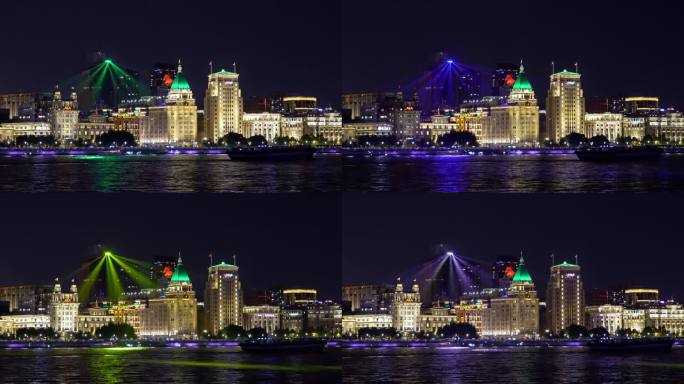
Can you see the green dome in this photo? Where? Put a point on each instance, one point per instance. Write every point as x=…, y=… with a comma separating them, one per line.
x=180, y=82
x=180, y=275
x=521, y=82
x=522, y=274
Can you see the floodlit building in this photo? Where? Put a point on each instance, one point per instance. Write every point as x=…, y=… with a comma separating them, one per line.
x=439, y=125
x=223, y=105
x=176, y=122
x=292, y=126
x=436, y=318
x=64, y=308
x=94, y=319
x=25, y=128
x=299, y=296
x=175, y=313
x=406, y=308
x=517, y=122
x=265, y=124
x=326, y=124
x=324, y=317
x=642, y=105
x=261, y=316
x=10, y=324
x=565, y=297
x=351, y=324
x=27, y=298
x=606, y=124
x=516, y=314
x=223, y=297
x=564, y=106
x=642, y=296
x=634, y=126
x=606, y=316
x=64, y=115
x=299, y=105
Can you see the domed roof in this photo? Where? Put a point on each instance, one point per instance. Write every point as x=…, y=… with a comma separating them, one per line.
x=180, y=82
x=180, y=275
x=522, y=82
x=522, y=275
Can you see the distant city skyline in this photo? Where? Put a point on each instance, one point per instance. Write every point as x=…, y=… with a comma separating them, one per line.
x=620, y=243
x=279, y=249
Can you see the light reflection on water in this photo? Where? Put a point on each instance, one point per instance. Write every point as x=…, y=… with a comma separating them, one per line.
x=524, y=173
x=213, y=365
x=506, y=365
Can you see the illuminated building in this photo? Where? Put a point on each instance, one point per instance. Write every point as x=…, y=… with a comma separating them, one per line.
x=299, y=105
x=16, y=102
x=642, y=296
x=64, y=308
x=503, y=79
x=105, y=84
x=406, y=308
x=161, y=78
x=370, y=128
x=668, y=124
x=175, y=122
x=324, y=318
x=265, y=124
x=606, y=124
x=223, y=297
x=517, y=314
x=27, y=298
x=564, y=297
x=603, y=104
x=564, y=106
x=128, y=313
x=261, y=316
x=503, y=271
x=64, y=116
x=292, y=126
x=641, y=105
x=26, y=128
x=326, y=124
x=439, y=125
x=93, y=319
x=436, y=318
x=175, y=313
x=358, y=104
x=518, y=121
x=298, y=296
x=135, y=123
x=634, y=126
x=222, y=105
x=351, y=324
x=94, y=126
x=292, y=318
x=10, y=324
x=606, y=316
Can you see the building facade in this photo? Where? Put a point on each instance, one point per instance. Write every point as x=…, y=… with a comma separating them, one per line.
x=265, y=124
x=406, y=308
x=605, y=124
x=564, y=106
x=176, y=122
x=565, y=297
x=223, y=297
x=223, y=105
x=266, y=317
x=64, y=308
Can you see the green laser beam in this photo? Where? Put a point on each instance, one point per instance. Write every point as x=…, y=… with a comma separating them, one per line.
x=139, y=278
x=89, y=282
x=114, y=287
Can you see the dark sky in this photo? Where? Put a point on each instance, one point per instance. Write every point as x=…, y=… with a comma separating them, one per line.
x=290, y=240
x=622, y=240
x=623, y=47
x=289, y=47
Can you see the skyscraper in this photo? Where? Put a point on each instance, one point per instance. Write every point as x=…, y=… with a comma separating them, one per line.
x=564, y=106
x=503, y=79
x=222, y=105
x=175, y=122
x=564, y=297
x=223, y=297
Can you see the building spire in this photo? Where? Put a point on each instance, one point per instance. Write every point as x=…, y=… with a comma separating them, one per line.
x=522, y=67
x=180, y=67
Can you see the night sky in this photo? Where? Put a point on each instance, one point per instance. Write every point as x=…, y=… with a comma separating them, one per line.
x=622, y=240
x=290, y=240
x=281, y=47
x=623, y=48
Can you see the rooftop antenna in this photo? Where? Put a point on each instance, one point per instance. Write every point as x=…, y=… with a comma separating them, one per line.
x=576, y=67
x=553, y=259
x=553, y=67
x=234, y=259
x=211, y=259
x=576, y=257
x=234, y=67
x=211, y=66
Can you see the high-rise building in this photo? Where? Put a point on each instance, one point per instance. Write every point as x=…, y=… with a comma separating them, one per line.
x=175, y=122
x=223, y=297
x=641, y=105
x=564, y=297
x=175, y=313
x=299, y=296
x=518, y=121
x=222, y=105
x=64, y=115
x=27, y=298
x=517, y=314
x=503, y=271
x=299, y=105
x=564, y=106
x=64, y=308
x=642, y=296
